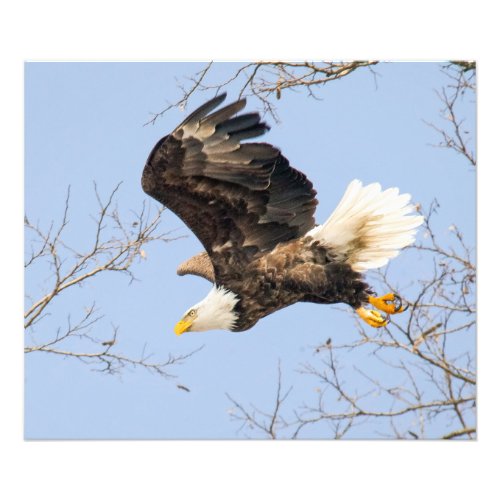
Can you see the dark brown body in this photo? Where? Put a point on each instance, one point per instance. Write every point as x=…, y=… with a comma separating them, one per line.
x=301, y=270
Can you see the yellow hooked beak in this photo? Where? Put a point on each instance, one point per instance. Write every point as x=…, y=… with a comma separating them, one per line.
x=182, y=326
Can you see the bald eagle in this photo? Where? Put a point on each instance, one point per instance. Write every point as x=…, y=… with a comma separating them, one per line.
x=254, y=215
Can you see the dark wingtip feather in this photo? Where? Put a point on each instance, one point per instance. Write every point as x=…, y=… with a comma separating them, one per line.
x=206, y=175
x=204, y=110
x=225, y=113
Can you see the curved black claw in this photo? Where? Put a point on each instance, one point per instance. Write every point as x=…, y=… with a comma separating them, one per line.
x=387, y=319
x=398, y=304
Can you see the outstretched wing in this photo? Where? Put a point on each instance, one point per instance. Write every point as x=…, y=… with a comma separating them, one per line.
x=232, y=195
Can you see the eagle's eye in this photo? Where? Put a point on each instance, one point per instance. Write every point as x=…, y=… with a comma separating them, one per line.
x=191, y=313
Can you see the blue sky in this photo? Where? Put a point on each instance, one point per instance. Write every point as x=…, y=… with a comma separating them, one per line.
x=85, y=122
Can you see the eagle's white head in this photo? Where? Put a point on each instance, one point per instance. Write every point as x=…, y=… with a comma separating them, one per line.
x=214, y=312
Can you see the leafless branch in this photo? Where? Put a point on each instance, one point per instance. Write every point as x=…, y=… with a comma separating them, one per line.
x=116, y=245
x=455, y=134
x=268, y=423
x=265, y=79
x=196, y=83
x=111, y=362
x=460, y=433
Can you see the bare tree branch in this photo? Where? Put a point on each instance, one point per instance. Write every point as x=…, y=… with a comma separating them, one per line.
x=454, y=135
x=110, y=362
x=268, y=423
x=459, y=433
x=116, y=245
x=265, y=79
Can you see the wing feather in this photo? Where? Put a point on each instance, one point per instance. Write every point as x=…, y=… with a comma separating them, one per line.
x=234, y=196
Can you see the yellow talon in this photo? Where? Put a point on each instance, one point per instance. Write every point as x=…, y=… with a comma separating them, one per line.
x=389, y=303
x=372, y=317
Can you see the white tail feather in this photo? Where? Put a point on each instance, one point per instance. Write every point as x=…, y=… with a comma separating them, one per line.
x=369, y=226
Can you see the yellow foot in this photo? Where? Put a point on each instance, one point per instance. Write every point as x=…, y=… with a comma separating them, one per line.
x=389, y=303
x=373, y=318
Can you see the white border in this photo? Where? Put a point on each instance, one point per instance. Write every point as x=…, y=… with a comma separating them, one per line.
x=147, y=30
